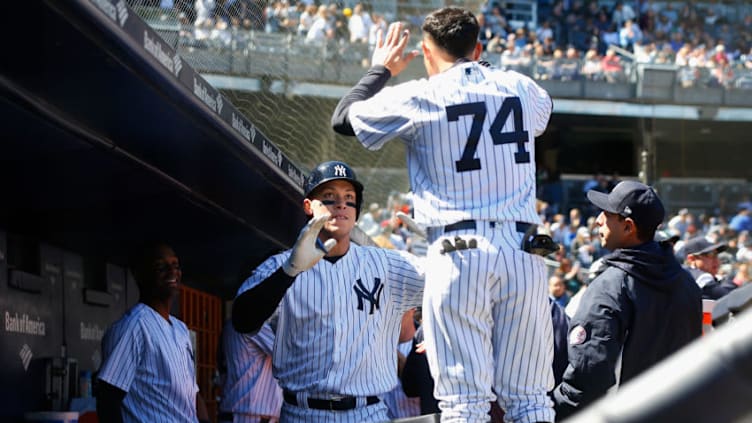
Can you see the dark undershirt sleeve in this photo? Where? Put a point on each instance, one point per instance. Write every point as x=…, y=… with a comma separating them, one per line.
x=253, y=307
x=373, y=81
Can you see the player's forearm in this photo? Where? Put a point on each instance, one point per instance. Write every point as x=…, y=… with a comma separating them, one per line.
x=109, y=402
x=373, y=81
x=253, y=307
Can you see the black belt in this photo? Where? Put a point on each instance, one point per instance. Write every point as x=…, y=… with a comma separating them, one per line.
x=224, y=416
x=522, y=227
x=340, y=404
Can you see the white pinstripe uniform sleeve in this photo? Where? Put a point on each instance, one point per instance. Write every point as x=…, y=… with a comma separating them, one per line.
x=264, y=339
x=385, y=116
x=407, y=276
x=250, y=388
x=122, y=350
x=542, y=106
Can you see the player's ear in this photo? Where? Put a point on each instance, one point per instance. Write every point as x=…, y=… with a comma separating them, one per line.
x=424, y=48
x=477, y=51
x=629, y=225
x=307, y=209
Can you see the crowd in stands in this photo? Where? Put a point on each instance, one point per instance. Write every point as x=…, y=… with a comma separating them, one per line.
x=710, y=42
x=707, y=41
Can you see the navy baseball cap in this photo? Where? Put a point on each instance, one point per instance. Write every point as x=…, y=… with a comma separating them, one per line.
x=634, y=200
x=701, y=245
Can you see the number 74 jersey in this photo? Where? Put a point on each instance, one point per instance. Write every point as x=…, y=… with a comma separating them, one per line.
x=470, y=136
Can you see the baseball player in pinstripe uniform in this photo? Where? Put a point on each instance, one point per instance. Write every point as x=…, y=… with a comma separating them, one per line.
x=148, y=368
x=469, y=133
x=250, y=394
x=336, y=320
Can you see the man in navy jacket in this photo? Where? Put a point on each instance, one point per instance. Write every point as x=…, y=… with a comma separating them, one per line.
x=641, y=309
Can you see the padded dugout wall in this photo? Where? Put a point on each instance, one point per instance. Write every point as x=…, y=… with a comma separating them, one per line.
x=32, y=326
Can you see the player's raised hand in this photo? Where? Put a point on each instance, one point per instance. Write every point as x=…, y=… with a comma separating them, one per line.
x=309, y=249
x=390, y=50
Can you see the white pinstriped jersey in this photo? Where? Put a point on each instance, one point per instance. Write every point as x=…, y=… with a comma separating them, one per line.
x=338, y=324
x=153, y=361
x=469, y=133
x=249, y=388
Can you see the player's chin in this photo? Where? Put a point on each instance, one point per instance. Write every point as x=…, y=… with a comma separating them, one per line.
x=339, y=228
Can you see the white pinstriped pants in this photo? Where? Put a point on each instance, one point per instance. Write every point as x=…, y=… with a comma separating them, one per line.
x=488, y=325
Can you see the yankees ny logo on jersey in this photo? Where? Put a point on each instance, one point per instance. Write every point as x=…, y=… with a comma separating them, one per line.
x=373, y=296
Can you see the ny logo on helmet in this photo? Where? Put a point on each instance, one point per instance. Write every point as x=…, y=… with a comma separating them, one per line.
x=340, y=170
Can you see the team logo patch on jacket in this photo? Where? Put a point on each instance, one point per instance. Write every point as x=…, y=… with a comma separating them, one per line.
x=577, y=336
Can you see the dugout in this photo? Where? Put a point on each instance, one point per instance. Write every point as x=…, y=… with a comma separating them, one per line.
x=109, y=140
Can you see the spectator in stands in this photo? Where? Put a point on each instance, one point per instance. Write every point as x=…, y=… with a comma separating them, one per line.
x=558, y=228
x=557, y=290
x=569, y=270
x=742, y=275
x=583, y=248
x=622, y=13
x=321, y=30
x=702, y=263
x=544, y=31
x=591, y=66
x=340, y=24
x=379, y=23
x=742, y=221
x=306, y=20
x=249, y=13
x=725, y=34
x=275, y=14
x=569, y=66
x=485, y=34
x=680, y=222
x=612, y=67
x=629, y=35
x=204, y=12
x=548, y=45
x=663, y=24
x=744, y=253
x=497, y=22
x=294, y=11
x=610, y=37
x=647, y=22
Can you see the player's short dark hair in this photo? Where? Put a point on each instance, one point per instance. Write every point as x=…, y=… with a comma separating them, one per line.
x=454, y=29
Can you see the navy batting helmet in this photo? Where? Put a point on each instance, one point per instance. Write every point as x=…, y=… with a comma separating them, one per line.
x=331, y=171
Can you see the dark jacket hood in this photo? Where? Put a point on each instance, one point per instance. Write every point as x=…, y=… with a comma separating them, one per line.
x=650, y=263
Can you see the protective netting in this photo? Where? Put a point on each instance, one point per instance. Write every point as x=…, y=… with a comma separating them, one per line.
x=285, y=66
